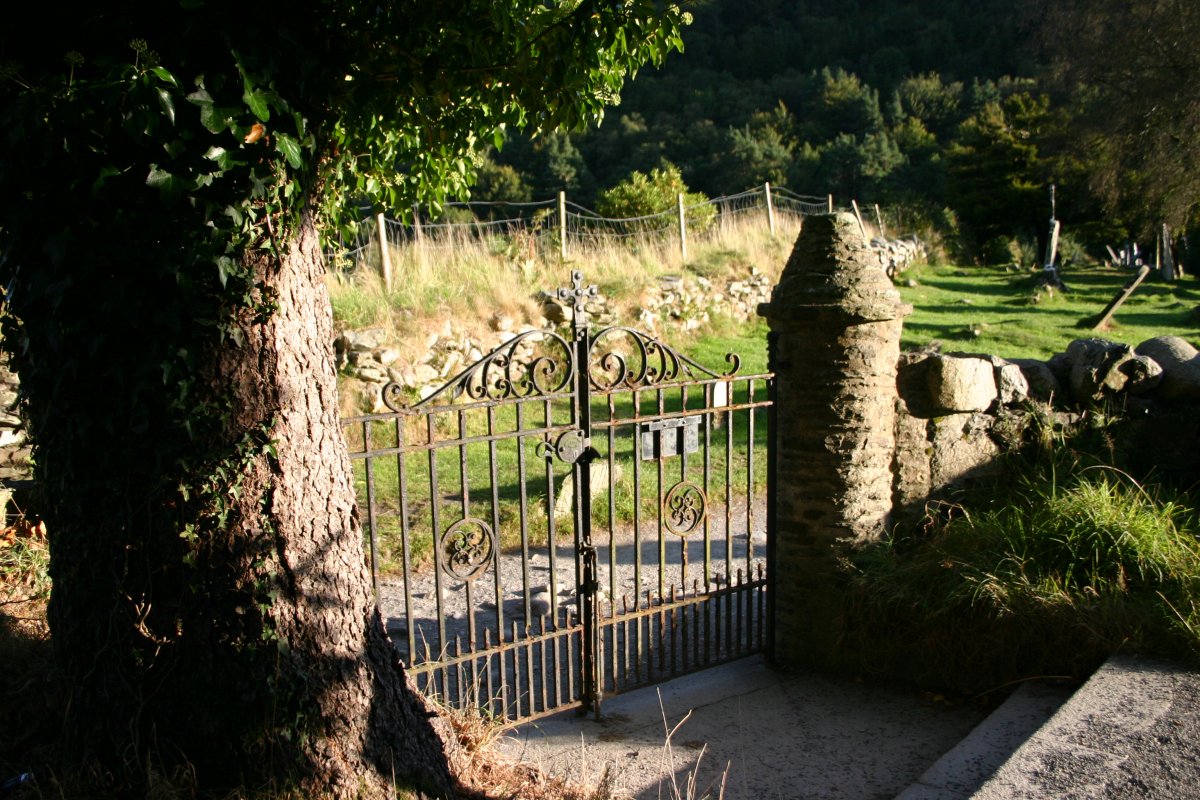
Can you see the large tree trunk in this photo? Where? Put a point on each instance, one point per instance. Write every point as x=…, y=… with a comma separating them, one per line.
x=233, y=627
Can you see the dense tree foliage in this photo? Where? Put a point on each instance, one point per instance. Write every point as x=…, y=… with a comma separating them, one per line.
x=165, y=168
x=924, y=108
x=1129, y=71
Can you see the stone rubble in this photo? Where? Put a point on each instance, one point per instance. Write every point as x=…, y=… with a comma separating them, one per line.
x=955, y=409
x=685, y=303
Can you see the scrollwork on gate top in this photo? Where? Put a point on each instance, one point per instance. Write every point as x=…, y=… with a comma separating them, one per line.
x=643, y=362
x=530, y=364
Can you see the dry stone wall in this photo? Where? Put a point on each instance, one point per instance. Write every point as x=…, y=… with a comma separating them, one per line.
x=956, y=411
x=370, y=358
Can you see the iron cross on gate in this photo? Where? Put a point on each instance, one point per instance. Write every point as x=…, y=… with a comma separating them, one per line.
x=578, y=295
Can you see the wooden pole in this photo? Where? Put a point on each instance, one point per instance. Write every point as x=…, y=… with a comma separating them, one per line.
x=682, y=229
x=858, y=216
x=830, y=204
x=562, y=224
x=385, y=256
x=770, y=209
x=879, y=219
x=418, y=235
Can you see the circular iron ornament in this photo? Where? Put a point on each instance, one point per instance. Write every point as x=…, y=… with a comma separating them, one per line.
x=684, y=508
x=569, y=446
x=467, y=547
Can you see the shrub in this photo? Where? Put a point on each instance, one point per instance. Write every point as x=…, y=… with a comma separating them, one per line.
x=642, y=195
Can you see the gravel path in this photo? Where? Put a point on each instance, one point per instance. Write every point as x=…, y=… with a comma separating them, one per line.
x=627, y=569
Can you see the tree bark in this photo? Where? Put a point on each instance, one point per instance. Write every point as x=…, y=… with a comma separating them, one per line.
x=250, y=646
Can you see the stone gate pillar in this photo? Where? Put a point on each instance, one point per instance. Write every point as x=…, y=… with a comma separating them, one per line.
x=835, y=322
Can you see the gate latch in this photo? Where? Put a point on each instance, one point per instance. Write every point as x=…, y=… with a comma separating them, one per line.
x=573, y=447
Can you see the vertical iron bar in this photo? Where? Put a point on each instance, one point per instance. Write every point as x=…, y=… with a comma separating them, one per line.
x=545, y=676
x=637, y=505
x=662, y=541
x=459, y=697
x=516, y=671
x=683, y=465
x=371, y=520
x=496, y=571
x=489, y=679
x=750, y=480
x=558, y=684
x=570, y=659
x=435, y=520
x=740, y=593
x=588, y=585
x=551, y=522
x=524, y=503
x=405, y=537
x=464, y=483
x=612, y=497
x=729, y=420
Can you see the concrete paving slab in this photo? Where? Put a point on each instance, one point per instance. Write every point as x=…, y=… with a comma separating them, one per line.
x=962, y=770
x=765, y=734
x=1131, y=731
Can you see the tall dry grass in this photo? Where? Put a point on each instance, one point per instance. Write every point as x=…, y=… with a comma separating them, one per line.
x=473, y=280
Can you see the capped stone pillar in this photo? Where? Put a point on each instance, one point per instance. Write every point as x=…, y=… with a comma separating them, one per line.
x=835, y=321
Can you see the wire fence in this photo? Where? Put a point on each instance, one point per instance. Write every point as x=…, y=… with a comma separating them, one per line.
x=565, y=225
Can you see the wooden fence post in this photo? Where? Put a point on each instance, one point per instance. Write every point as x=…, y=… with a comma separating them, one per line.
x=879, y=219
x=418, y=235
x=562, y=224
x=858, y=216
x=770, y=209
x=830, y=204
x=682, y=229
x=385, y=256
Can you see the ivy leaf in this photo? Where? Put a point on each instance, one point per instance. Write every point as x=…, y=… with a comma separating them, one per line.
x=167, y=103
x=168, y=183
x=221, y=157
x=256, y=101
x=105, y=173
x=290, y=149
x=164, y=75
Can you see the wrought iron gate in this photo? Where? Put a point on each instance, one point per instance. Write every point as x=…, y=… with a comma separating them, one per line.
x=506, y=588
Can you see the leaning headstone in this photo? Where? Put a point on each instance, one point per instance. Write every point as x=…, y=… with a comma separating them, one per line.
x=564, y=504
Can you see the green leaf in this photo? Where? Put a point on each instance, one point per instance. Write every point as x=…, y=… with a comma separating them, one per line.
x=164, y=75
x=257, y=103
x=105, y=174
x=221, y=157
x=291, y=150
x=166, y=182
x=168, y=104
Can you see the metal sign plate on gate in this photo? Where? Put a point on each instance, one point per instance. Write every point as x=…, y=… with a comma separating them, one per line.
x=670, y=437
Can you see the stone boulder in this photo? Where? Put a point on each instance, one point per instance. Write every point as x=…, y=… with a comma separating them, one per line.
x=1100, y=368
x=1180, y=363
x=1040, y=378
x=960, y=384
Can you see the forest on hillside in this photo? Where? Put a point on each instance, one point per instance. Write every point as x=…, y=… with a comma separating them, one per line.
x=950, y=115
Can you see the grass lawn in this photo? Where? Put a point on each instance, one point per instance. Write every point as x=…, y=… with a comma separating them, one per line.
x=1003, y=313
